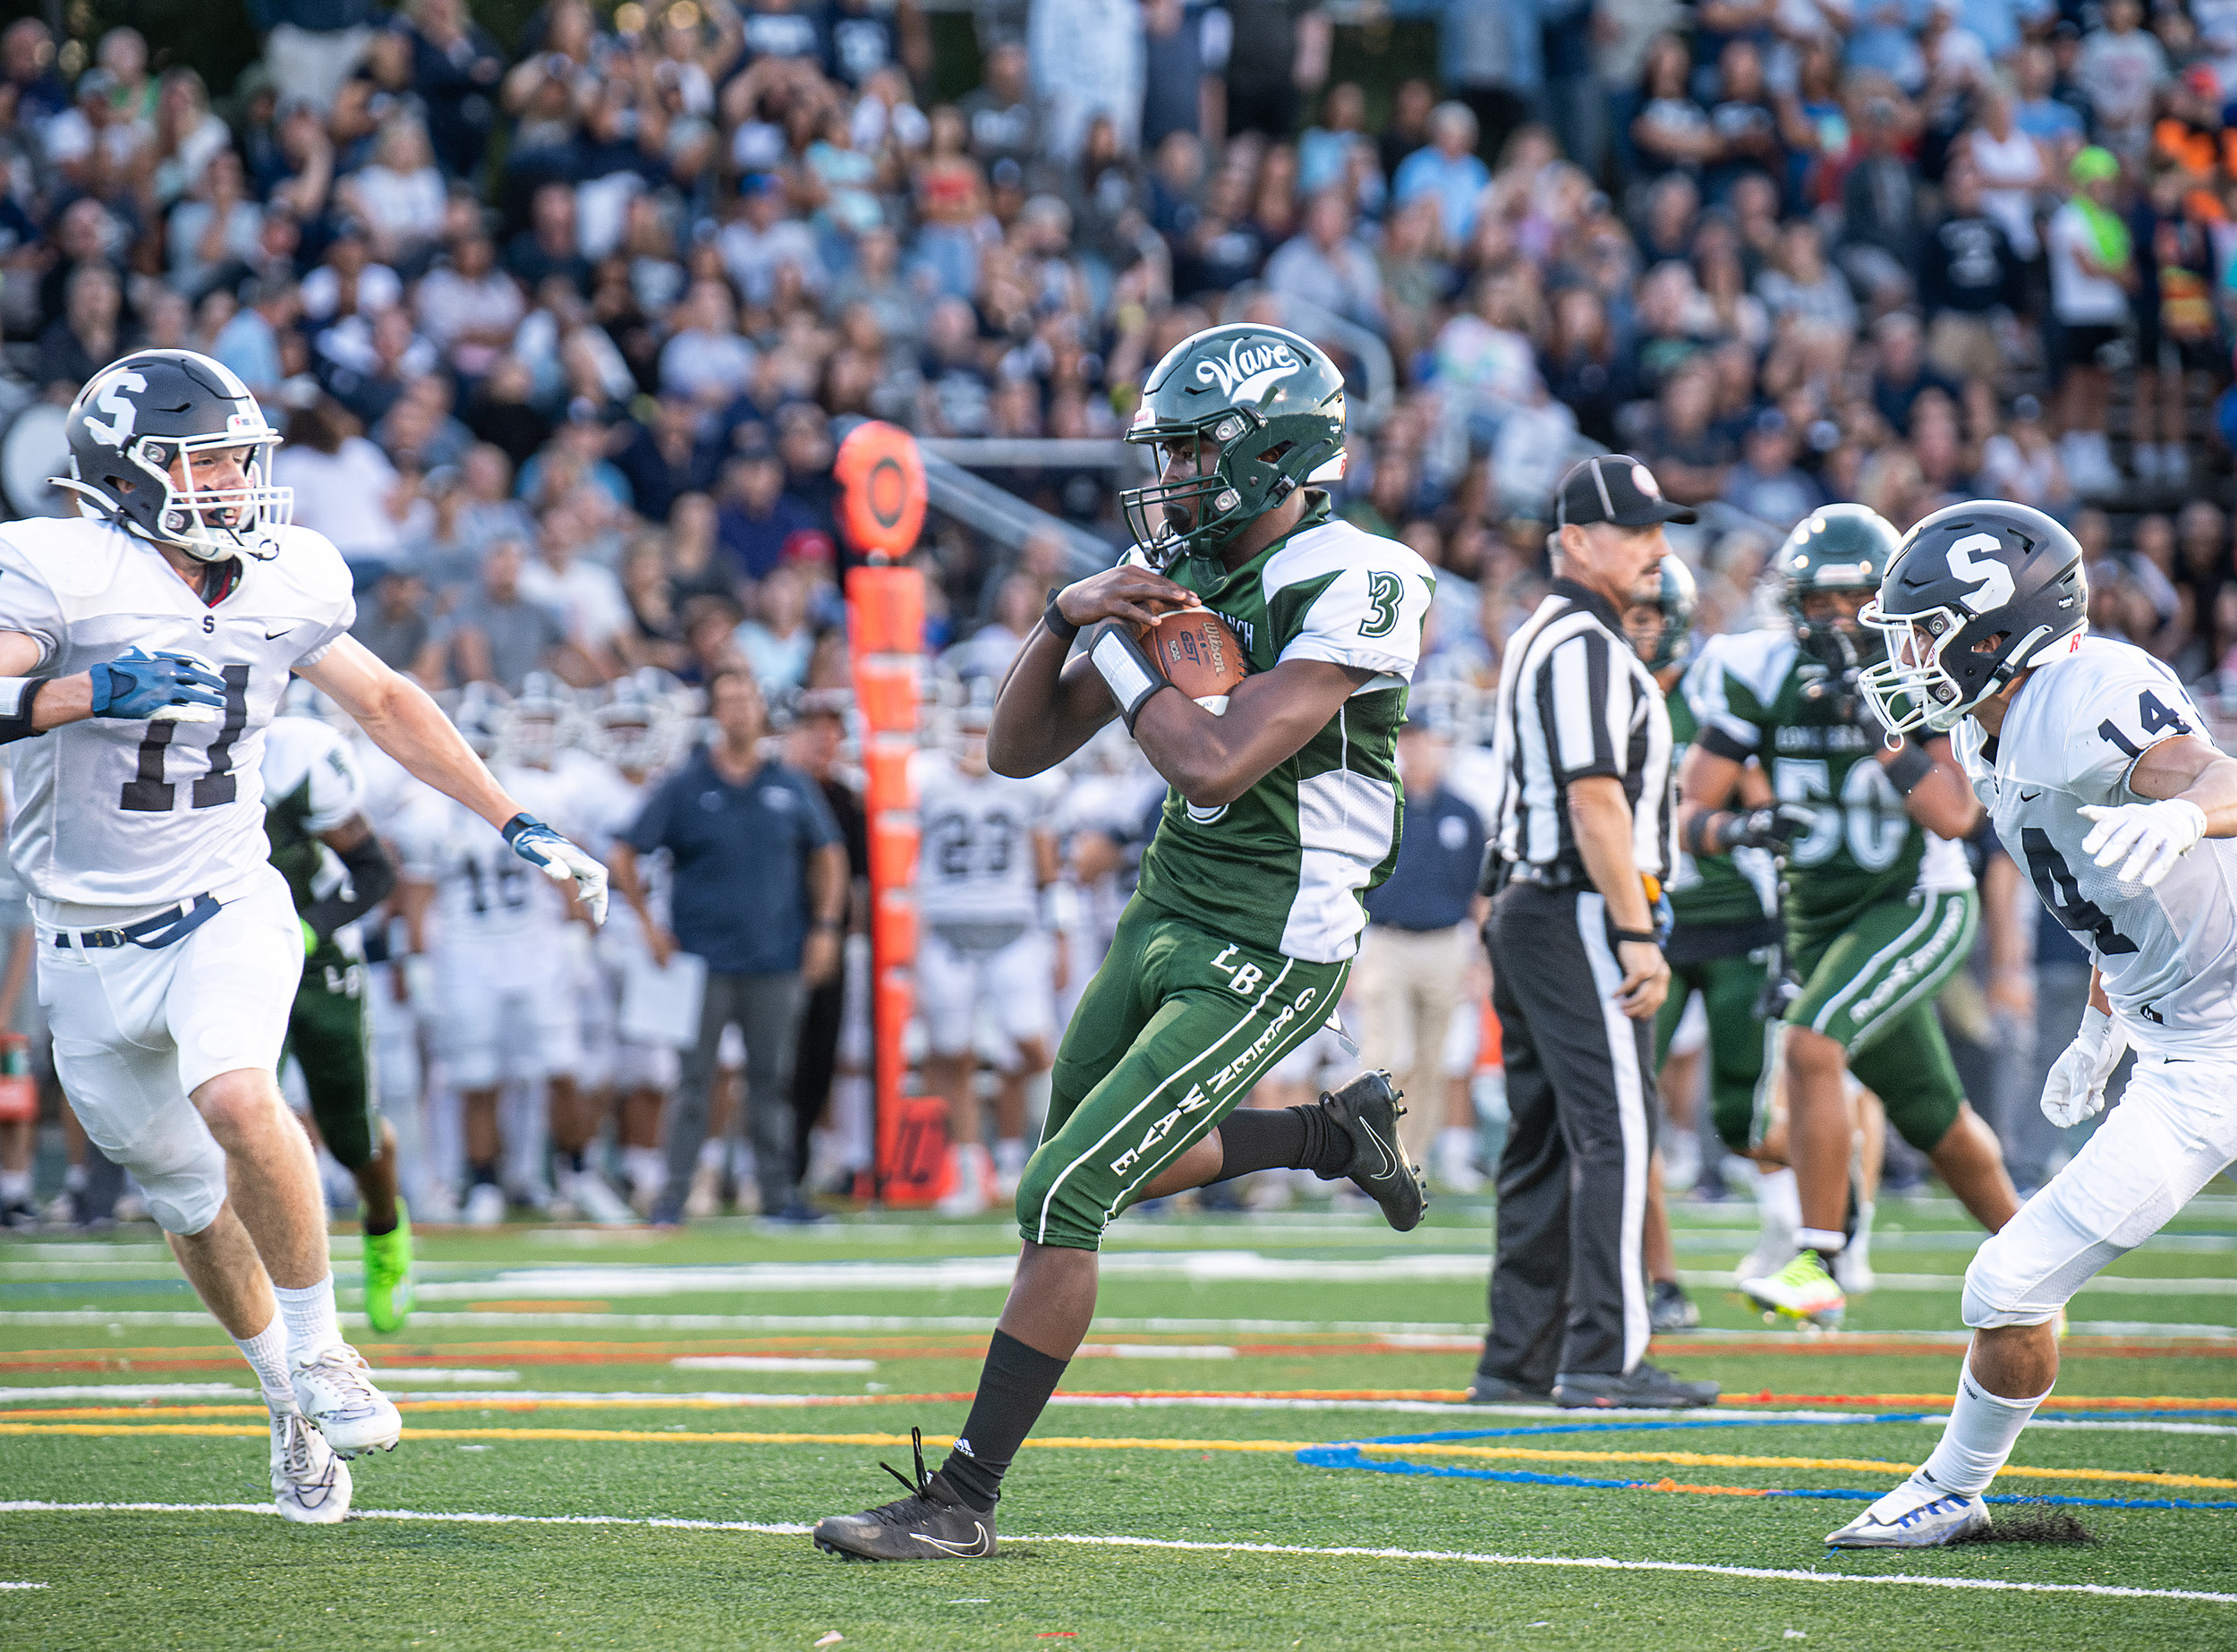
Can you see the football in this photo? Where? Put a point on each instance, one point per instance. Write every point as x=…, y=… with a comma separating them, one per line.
x=1198, y=654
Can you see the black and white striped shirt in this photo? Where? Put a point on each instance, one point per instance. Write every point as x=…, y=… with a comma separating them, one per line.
x=1574, y=701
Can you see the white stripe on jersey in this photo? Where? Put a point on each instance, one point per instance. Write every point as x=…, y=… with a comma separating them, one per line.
x=2168, y=955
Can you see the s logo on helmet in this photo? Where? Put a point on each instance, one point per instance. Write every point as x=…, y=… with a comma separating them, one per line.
x=1250, y=369
x=1991, y=580
x=123, y=412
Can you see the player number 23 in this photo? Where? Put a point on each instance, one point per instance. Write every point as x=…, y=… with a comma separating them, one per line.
x=149, y=793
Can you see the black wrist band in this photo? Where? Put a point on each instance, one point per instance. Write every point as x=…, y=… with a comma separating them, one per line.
x=1701, y=832
x=1647, y=936
x=1907, y=768
x=1052, y=619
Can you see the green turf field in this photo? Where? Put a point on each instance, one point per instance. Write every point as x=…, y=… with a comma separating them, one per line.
x=615, y=1440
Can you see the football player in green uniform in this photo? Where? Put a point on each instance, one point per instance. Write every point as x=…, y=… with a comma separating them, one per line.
x=337, y=871
x=1725, y=922
x=1880, y=905
x=1283, y=811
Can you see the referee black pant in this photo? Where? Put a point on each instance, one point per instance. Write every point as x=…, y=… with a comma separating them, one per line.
x=1569, y=1290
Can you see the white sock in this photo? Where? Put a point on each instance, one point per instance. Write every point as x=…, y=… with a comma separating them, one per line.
x=266, y=1354
x=311, y=1326
x=712, y=1152
x=646, y=1167
x=1779, y=1195
x=1824, y=1241
x=1860, y=1240
x=1009, y=1156
x=15, y=1185
x=1983, y=1429
x=1456, y=1142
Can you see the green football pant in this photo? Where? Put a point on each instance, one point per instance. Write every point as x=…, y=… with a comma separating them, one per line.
x=326, y=1033
x=1172, y=1035
x=1871, y=988
x=1729, y=988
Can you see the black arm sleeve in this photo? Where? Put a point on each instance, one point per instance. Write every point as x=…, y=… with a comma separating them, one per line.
x=372, y=874
x=15, y=709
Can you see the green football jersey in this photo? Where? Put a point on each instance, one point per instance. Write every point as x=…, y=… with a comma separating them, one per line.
x=1706, y=889
x=1862, y=847
x=311, y=786
x=1286, y=868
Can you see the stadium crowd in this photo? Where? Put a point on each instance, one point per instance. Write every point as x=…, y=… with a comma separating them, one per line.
x=561, y=333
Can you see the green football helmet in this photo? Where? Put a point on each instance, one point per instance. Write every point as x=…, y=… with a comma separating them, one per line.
x=1835, y=547
x=1674, y=594
x=1273, y=402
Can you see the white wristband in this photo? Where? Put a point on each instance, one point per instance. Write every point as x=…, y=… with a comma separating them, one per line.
x=1125, y=670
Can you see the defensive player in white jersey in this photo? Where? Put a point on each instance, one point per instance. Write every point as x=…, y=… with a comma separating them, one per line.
x=988, y=857
x=504, y=1006
x=2092, y=764
x=144, y=648
x=636, y=733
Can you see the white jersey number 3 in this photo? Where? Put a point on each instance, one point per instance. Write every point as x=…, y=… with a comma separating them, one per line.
x=149, y=793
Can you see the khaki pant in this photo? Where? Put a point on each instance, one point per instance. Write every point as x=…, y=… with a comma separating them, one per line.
x=1408, y=982
x=1964, y=346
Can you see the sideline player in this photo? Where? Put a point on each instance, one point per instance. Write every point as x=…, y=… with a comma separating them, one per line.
x=337, y=871
x=2088, y=756
x=145, y=647
x=1241, y=936
x=988, y=860
x=1880, y=905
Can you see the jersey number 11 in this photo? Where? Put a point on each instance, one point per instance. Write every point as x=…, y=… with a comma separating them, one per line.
x=149, y=793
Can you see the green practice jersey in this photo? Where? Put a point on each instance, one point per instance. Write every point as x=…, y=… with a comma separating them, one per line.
x=1741, y=888
x=1285, y=867
x=1862, y=847
x=311, y=786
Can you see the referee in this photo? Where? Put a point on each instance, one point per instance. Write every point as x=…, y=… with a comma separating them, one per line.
x=1581, y=840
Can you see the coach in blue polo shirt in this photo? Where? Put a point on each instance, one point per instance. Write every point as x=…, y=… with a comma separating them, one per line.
x=1418, y=957
x=760, y=891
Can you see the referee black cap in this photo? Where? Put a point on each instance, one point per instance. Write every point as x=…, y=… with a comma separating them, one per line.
x=1615, y=487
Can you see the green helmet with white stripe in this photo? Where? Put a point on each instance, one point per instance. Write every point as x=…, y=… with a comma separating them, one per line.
x=1245, y=414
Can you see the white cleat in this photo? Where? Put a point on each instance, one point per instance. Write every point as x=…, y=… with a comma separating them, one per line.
x=310, y=1484
x=1913, y=1517
x=337, y=1394
x=485, y=1206
x=595, y=1200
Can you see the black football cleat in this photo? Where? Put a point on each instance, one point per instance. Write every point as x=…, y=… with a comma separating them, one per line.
x=1644, y=1388
x=1489, y=1390
x=931, y=1523
x=1367, y=1111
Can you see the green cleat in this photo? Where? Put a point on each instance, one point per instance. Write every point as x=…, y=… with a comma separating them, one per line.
x=388, y=1274
x=1802, y=1292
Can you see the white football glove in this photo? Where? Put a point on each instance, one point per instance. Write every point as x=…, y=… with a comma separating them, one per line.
x=560, y=860
x=2075, y=1090
x=2153, y=836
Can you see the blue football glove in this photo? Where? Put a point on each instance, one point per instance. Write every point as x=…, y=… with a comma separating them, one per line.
x=165, y=687
x=560, y=860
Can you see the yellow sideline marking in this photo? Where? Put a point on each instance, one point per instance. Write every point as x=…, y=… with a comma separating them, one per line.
x=1096, y=1442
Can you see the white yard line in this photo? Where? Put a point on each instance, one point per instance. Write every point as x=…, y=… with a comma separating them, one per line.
x=767, y=1362
x=1179, y=1545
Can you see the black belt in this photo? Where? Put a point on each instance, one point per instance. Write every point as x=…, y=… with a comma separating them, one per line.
x=164, y=929
x=1554, y=880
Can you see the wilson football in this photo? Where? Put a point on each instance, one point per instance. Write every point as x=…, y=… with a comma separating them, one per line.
x=1198, y=654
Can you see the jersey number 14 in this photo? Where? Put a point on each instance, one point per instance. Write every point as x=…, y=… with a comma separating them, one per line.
x=149, y=793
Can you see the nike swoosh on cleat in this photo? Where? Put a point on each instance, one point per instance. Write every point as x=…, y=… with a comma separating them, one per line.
x=1390, y=1164
x=970, y=1551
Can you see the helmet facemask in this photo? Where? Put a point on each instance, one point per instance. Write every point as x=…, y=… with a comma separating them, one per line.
x=210, y=525
x=1936, y=670
x=1215, y=505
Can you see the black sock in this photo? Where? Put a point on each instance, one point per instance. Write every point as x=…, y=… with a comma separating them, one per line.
x=1327, y=1150
x=1260, y=1138
x=1013, y=1388
x=484, y=1172
x=571, y=1160
x=374, y=1230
